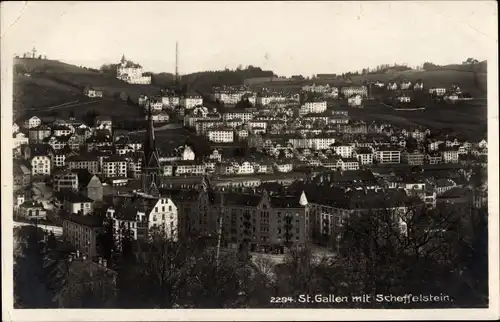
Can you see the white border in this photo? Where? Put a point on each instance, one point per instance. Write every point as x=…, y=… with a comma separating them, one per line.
x=9, y=314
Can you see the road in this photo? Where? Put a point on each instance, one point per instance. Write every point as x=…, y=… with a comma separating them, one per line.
x=58, y=231
x=170, y=126
x=65, y=105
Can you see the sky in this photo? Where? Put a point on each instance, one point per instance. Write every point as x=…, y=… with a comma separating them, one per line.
x=287, y=37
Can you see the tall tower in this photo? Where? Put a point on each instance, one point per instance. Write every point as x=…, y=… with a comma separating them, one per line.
x=151, y=170
x=177, y=63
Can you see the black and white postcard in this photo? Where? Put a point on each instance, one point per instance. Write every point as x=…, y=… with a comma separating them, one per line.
x=274, y=160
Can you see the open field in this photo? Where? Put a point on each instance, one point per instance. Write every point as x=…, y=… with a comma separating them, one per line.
x=52, y=82
x=475, y=85
x=466, y=117
x=114, y=108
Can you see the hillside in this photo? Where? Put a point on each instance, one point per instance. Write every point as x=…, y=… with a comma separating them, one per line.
x=52, y=82
x=442, y=76
x=204, y=81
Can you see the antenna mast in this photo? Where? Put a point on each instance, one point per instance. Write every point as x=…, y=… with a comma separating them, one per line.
x=177, y=63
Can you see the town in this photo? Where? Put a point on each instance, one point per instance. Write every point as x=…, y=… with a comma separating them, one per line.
x=258, y=168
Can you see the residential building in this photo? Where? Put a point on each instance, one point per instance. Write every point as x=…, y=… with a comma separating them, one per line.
x=66, y=180
x=88, y=162
x=413, y=157
x=19, y=140
x=348, y=91
x=82, y=232
x=114, y=167
x=364, y=155
x=450, y=155
x=40, y=165
x=190, y=101
x=22, y=176
x=350, y=164
x=74, y=202
x=32, y=122
x=437, y=91
x=355, y=100
x=104, y=123
x=90, y=92
x=315, y=107
x=171, y=101
x=143, y=215
x=31, y=209
x=418, y=86
x=39, y=134
x=237, y=114
x=433, y=158
x=392, y=86
x=388, y=155
x=221, y=135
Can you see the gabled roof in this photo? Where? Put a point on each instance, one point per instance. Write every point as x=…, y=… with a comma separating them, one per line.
x=82, y=157
x=89, y=221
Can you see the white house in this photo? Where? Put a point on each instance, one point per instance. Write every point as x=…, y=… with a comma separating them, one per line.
x=32, y=210
x=316, y=107
x=32, y=122
x=40, y=165
x=190, y=101
x=220, y=135
x=20, y=139
x=160, y=117
x=355, y=100
x=114, y=167
x=388, y=155
x=131, y=73
x=419, y=85
x=90, y=92
x=170, y=101
x=149, y=215
x=438, y=91
x=404, y=99
x=392, y=86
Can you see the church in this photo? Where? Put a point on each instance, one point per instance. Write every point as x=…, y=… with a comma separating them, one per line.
x=146, y=211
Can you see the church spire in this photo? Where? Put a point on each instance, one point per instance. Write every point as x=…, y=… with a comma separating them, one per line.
x=151, y=165
x=150, y=152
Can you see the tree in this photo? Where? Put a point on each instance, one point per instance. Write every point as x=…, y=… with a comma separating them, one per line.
x=428, y=65
x=156, y=275
x=303, y=273
x=30, y=290
x=109, y=69
x=384, y=251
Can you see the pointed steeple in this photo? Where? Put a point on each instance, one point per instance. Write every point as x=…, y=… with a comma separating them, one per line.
x=151, y=158
x=151, y=170
x=303, y=199
x=123, y=60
